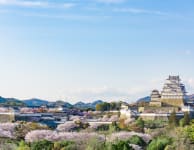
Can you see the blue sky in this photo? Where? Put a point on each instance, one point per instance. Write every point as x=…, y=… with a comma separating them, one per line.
x=94, y=49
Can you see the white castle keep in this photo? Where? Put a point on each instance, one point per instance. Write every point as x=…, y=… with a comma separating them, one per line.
x=173, y=89
x=173, y=93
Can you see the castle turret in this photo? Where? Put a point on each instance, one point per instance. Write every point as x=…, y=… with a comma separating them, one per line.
x=155, y=98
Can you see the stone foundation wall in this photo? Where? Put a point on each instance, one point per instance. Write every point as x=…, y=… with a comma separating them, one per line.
x=155, y=103
x=153, y=109
x=172, y=102
x=6, y=118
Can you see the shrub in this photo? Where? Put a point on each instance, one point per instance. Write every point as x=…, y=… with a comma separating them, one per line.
x=42, y=145
x=189, y=130
x=140, y=123
x=137, y=140
x=66, y=145
x=23, y=146
x=119, y=145
x=159, y=144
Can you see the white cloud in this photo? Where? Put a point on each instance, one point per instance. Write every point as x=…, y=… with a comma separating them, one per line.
x=30, y=3
x=139, y=11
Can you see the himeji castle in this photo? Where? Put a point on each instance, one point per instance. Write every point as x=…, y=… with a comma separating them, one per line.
x=173, y=93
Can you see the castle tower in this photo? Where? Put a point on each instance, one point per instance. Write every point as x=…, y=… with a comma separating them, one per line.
x=155, y=98
x=173, y=93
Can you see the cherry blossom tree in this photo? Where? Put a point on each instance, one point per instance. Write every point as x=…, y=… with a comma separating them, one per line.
x=67, y=126
x=78, y=137
x=129, y=120
x=113, y=118
x=7, y=130
x=2, y=109
x=94, y=126
x=105, y=118
x=126, y=135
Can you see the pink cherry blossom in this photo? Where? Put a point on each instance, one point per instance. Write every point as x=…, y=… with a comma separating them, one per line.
x=7, y=130
x=67, y=126
x=126, y=135
x=78, y=137
x=113, y=118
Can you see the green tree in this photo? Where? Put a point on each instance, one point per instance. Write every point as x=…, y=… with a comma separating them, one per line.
x=186, y=118
x=181, y=122
x=189, y=130
x=99, y=107
x=23, y=146
x=113, y=106
x=103, y=106
x=113, y=127
x=24, y=127
x=140, y=124
x=159, y=143
x=119, y=145
x=42, y=145
x=137, y=140
x=173, y=119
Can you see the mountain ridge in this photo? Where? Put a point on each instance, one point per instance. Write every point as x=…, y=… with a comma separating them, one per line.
x=148, y=98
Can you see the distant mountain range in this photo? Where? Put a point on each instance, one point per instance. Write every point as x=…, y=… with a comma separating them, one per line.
x=11, y=102
x=34, y=102
x=148, y=98
x=81, y=105
x=144, y=99
x=87, y=105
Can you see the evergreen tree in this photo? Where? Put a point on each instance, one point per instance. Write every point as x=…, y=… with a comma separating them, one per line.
x=186, y=118
x=173, y=119
x=140, y=124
